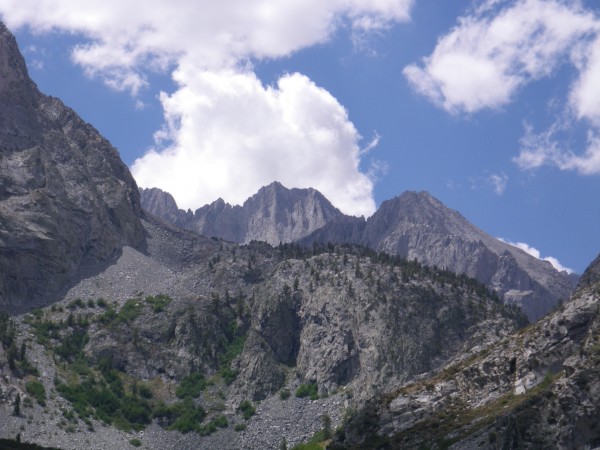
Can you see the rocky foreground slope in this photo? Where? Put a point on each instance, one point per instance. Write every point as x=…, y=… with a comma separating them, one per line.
x=197, y=330
x=539, y=388
x=65, y=195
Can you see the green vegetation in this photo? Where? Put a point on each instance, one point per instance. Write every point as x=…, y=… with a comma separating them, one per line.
x=71, y=346
x=17, y=361
x=36, y=389
x=191, y=386
x=284, y=394
x=135, y=442
x=213, y=425
x=130, y=310
x=74, y=304
x=101, y=303
x=246, y=409
x=106, y=398
x=158, y=302
x=182, y=416
x=233, y=348
x=308, y=390
x=308, y=446
x=240, y=427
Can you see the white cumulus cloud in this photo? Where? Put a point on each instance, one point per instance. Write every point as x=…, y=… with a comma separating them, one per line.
x=229, y=134
x=536, y=254
x=498, y=48
x=490, y=54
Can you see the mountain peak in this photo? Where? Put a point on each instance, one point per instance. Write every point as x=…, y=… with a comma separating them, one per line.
x=14, y=77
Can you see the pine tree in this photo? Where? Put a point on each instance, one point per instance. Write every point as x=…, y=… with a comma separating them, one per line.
x=17, y=406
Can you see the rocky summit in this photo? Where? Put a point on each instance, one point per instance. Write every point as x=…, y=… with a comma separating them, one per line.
x=274, y=214
x=66, y=198
x=121, y=330
x=418, y=226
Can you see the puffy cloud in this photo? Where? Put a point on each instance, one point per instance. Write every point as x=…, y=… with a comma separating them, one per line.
x=126, y=36
x=536, y=254
x=490, y=54
x=295, y=132
x=585, y=95
x=228, y=134
x=503, y=45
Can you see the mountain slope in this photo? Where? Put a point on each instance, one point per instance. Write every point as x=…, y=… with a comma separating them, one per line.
x=418, y=226
x=65, y=196
x=274, y=214
x=249, y=322
x=540, y=388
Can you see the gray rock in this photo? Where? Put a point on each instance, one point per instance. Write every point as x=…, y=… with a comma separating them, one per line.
x=274, y=214
x=418, y=226
x=66, y=198
x=539, y=388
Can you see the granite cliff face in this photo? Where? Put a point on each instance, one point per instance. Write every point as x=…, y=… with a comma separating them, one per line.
x=274, y=214
x=539, y=388
x=65, y=196
x=418, y=226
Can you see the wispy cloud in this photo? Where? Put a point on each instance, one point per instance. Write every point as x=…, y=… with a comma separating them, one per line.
x=293, y=131
x=498, y=182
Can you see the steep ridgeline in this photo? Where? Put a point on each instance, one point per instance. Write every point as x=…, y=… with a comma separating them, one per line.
x=540, y=388
x=65, y=195
x=418, y=226
x=195, y=331
x=274, y=214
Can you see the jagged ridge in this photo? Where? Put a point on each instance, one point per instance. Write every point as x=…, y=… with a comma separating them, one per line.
x=274, y=214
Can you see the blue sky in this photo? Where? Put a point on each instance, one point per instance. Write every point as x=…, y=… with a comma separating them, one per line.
x=491, y=106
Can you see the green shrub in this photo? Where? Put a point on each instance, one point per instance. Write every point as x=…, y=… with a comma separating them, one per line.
x=74, y=304
x=135, y=442
x=220, y=421
x=158, y=302
x=284, y=394
x=191, y=386
x=129, y=311
x=309, y=446
x=72, y=345
x=232, y=350
x=308, y=390
x=247, y=409
x=107, y=316
x=37, y=391
x=101, y=303
x=240, y=427
x=145, y=391
x=189, y=416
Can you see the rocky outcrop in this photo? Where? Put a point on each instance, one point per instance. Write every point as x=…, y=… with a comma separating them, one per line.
x=539, y=388
x=274, y=214
x=418, y=226
x=65, y=195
